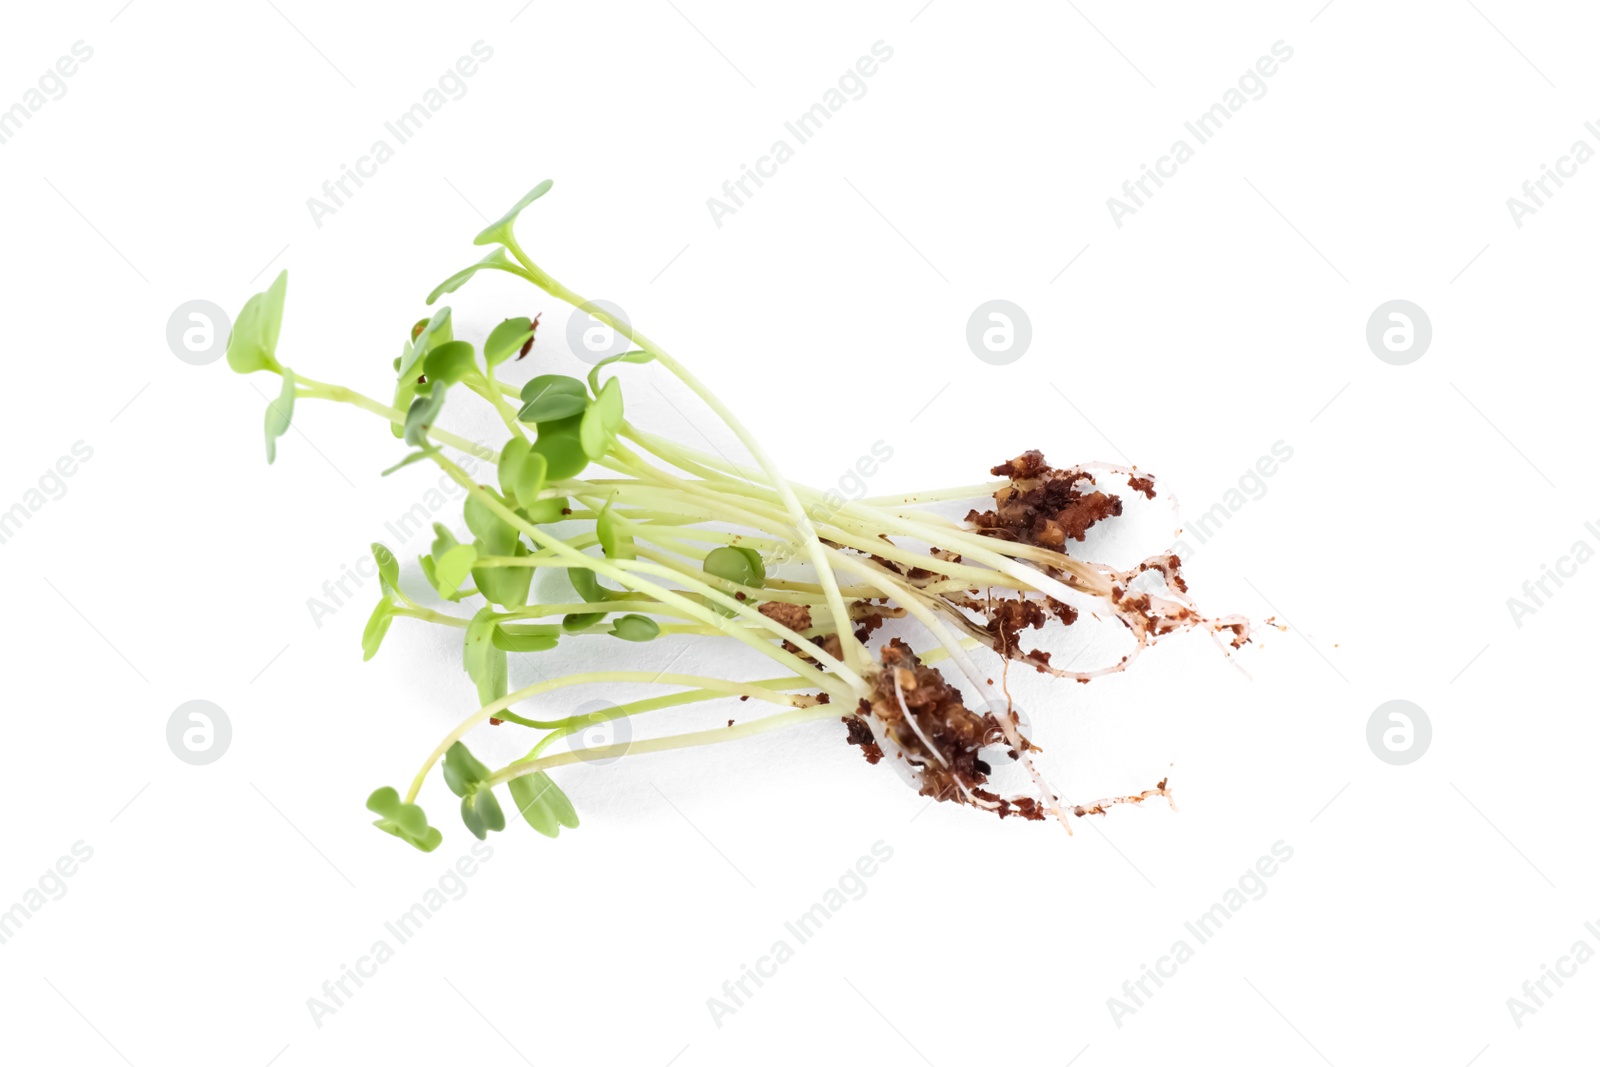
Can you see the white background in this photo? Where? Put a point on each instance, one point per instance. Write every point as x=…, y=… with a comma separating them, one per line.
x=1228, y=314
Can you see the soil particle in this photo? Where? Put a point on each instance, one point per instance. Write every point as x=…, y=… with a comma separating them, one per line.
x=868, y=623
x=943, y=736
x=860, y=734
x=795, y=616
x=1044, y=506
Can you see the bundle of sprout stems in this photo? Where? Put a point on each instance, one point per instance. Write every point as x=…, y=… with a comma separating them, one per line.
x=684, y=539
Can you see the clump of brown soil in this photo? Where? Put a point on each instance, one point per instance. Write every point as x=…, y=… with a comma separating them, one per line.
x=923, y=718
x=1044, y=506
x=861, y=734
x=914, y=715
x=1006, y=617
x=796, y=617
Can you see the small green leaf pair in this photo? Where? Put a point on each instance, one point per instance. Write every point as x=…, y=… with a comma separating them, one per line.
x=253, y=343
x=495, y=260
x=557, y=403
x=445, y=364
x=484, y=659
x=253, y=346
x=572, y=429
x=500, y=231
x=445, y=567
x=467, y=777
x=542, y=803
x=410, y=367
x=506, y=586
x=408, y=822
x=522, y=474
x=383, y=614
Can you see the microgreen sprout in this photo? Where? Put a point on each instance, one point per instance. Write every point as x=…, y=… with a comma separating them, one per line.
x=672, y=543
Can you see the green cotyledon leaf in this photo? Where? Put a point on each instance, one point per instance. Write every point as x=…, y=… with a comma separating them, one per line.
x=481, y=812
x=253, y=343
x=635, y=628
x=508, y=337
x=422, y=413
x=435, y=331
x=408, y=822
x=448, y=363
x=377, y=626
x=484, y=661
x=463, y=771
x=388, y=567
x=496, y=260
x=522, y=472
x=500, y=231
x=450, y=570
x=542, y=803
x=601, y=420
x=561, y=448
x=550, y=397
x=279, y=414
x=506, y=586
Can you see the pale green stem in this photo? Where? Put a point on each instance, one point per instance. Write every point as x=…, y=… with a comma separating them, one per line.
x=664, y=744
x=341, y=394
x=855, y=654
x=488, y=711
